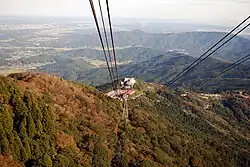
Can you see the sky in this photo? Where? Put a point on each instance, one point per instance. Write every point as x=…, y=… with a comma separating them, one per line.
x=223, y=12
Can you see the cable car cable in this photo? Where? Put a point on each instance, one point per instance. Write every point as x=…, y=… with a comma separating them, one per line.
x=100, y=36
x=170, y=83
x=237, y=63
x=182, y=72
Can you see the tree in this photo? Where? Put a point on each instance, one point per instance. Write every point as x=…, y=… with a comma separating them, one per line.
x=28, y=99
x=31, y=127
x=48, y=120
x=47, y=97
x=36, y=152
x=61, y=161
x=17, y=144
x=26, y=146
x=4, y=144
x=120, y=160
x=47, y=160
x=6, y=120
x=100, y=158
x=22, y=129
x=20, y=111
x=148, y=163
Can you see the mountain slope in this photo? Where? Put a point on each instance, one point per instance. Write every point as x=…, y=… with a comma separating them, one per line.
x=70, y=69
x=72, y=64
x=54, y=112
x=135, y=54
x=161, y=69
x=48, y=121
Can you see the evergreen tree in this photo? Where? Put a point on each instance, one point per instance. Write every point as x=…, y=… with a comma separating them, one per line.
x=46, y=161
x=4, y=144
x=48, y=123
x=31, y=127
x=6, y=120
x=100, y=158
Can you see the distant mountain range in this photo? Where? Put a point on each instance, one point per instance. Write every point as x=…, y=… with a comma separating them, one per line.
x=156, y=58
x=161, y=69
x=193, y=42
x=246, y=36
x=131, y=53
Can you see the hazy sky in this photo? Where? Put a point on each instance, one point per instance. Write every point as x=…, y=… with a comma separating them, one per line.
x=206, y=11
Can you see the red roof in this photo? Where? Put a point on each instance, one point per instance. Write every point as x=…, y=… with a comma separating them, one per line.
x=130, y=92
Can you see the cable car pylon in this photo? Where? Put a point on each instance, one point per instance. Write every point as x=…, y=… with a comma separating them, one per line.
x=126, y=90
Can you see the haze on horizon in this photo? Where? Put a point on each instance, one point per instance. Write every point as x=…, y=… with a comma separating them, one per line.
x=221, y=12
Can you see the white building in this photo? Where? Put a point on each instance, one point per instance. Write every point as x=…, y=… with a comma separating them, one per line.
x=128, y=83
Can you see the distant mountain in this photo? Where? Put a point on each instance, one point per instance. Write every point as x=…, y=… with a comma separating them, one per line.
x=138, y=48
x=68, y=68
x=72, y=64
x=126, y=54
x=161, y=69
x=48, y=121
x=150, y=58
x=193, y=42
x=246, y=36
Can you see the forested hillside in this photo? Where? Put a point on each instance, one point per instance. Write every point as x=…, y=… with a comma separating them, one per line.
x=47, y=121
x=162, y=68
